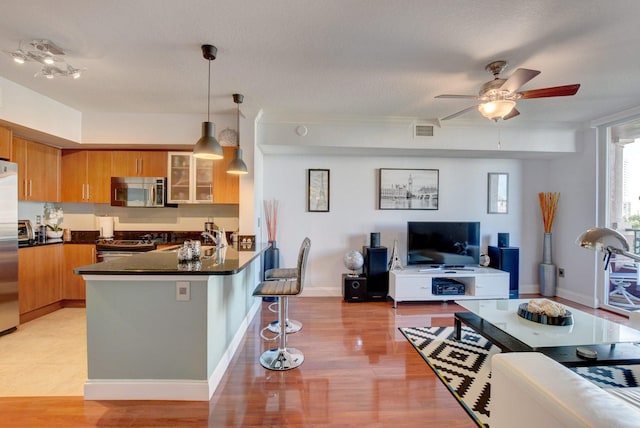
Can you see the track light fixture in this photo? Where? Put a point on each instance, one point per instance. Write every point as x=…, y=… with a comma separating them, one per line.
x=237, y=165
x=49, y=55
x=207, y=146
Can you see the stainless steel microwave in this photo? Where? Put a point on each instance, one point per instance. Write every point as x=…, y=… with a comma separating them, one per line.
x=138, y=191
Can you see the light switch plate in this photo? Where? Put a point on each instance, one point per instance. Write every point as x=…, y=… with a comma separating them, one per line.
x=183, y=291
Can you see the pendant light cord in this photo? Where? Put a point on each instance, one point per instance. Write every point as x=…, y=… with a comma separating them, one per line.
x=209, y=95
x=238, y=124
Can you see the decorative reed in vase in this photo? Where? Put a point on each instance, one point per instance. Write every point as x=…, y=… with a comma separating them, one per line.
x=271, y=217
x=548, y=271
x=548, y=204
x=271, y=259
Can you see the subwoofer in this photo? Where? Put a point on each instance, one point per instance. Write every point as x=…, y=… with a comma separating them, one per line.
x=354, y=288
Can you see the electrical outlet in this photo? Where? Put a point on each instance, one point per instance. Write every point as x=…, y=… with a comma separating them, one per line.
x=183, y=291
x=561, y=272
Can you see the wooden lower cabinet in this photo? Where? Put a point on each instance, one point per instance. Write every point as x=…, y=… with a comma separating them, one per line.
x=39, y=280
x=75, y=255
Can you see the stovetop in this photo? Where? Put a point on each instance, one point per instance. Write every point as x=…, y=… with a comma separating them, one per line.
x=106, y=244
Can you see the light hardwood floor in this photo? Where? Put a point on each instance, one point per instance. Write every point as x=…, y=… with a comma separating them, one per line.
x=46, y=356
x=358, y=371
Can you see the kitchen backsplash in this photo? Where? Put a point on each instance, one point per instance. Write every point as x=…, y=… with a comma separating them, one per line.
x=182, y=218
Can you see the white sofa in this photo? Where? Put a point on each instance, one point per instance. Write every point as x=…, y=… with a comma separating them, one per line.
x=530, y=390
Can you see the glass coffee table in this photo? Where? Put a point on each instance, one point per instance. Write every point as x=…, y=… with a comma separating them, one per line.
x=498, y=321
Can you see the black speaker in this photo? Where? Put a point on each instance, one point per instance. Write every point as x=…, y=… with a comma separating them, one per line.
x=508, y=260
x=375, y=239
x=503, y=240
x=354, y=288
x=375, y=269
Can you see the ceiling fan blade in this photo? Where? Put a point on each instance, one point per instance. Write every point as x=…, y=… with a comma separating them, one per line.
x=461, y=112
x=513, y=113
x=556, y=91
x=518, y=78
x=475, y=97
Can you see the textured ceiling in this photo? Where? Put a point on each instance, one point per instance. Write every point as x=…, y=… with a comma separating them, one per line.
x=309, y=58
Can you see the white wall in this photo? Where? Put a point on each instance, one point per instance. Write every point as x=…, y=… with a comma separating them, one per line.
x=354, y=214
x=574, y=176
x=26, y=108
x=164, y=129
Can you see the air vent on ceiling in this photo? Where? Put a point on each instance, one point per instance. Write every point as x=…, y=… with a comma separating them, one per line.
x=424, y=131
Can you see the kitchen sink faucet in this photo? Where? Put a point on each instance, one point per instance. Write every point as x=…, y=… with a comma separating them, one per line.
x=220, y=241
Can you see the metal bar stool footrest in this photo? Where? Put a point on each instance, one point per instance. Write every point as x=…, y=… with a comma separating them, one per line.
x=281, y=359
x=293, y=326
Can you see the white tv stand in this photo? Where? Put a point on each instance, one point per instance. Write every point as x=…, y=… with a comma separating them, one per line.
x=414, y=283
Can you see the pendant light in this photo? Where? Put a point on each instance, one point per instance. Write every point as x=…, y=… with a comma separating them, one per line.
x=237, y=165
x=207, y=146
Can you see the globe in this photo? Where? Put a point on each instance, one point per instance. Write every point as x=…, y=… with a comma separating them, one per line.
x=353, y=261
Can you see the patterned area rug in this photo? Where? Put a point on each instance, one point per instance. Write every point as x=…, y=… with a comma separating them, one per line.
x=464, y=367
x=611, y=376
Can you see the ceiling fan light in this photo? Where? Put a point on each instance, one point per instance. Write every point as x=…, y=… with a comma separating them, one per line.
x=207, y=147
x=497, y=109
x=237, y=165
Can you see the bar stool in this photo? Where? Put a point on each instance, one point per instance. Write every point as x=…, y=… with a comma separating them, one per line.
x=282, y=274
x=283, y=358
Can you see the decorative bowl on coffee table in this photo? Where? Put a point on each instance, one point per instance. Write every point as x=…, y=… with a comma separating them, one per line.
x=566, y=319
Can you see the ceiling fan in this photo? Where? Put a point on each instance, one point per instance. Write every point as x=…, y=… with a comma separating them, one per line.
x=497, y=98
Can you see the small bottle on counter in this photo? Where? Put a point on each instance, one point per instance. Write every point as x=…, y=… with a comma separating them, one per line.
x=43, y=233
x=40, y=231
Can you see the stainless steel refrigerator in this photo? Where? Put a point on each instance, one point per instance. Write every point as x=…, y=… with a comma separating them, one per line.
x=9, y=310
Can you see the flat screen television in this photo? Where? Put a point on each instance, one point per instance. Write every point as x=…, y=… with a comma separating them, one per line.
x=443, y=243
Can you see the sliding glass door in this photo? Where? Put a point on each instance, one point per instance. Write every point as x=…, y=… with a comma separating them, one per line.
x=621, y=281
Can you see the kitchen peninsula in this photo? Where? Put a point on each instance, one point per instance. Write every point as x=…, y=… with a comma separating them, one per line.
x=162, y=330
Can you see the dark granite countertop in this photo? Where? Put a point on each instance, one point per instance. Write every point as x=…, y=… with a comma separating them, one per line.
x=165, y=262
x=160, y=238
x=32, y=243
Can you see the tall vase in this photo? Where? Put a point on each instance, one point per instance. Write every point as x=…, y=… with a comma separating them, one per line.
x=271, y=260
x=548, y=271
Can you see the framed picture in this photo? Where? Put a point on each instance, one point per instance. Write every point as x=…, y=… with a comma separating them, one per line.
x=408, y=189
x=498, y=193
x=318, y=193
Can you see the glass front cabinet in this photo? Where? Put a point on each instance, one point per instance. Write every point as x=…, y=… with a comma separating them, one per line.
x=190, y=180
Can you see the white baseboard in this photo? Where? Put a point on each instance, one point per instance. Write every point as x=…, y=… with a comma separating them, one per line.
x=169, y=389
x=146, y=389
